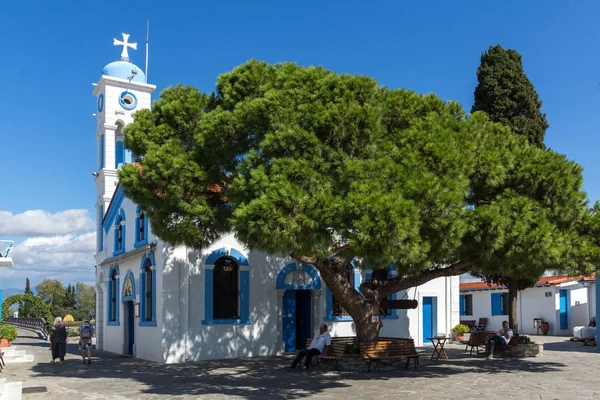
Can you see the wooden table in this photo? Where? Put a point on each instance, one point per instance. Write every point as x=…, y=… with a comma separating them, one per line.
x=438, y=348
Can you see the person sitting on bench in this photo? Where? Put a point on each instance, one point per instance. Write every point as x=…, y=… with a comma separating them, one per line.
x=502, y=337
x=319, y=345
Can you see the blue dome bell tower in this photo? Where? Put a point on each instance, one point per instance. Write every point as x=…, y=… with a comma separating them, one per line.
x=121, y=91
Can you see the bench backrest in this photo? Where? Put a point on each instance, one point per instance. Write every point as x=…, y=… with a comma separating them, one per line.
x=480, y=338
x=388, y=348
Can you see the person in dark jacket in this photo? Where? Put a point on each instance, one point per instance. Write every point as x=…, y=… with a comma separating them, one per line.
x=58, y=340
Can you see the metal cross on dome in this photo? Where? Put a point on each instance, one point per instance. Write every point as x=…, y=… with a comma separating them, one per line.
x=125, y=43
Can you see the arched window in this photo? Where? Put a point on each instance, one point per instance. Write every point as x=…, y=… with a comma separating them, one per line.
x=142, y=231
x=120, y=233
x=226, y=289
x=338, y=310
x=141, y=228
x=113, y=296
x=148, y=293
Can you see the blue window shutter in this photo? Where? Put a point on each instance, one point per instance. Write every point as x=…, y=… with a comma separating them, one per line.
x=462, y=304
x=496, y=303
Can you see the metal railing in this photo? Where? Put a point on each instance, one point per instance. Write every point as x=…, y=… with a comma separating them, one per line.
x=36, y=324
x=5, y=247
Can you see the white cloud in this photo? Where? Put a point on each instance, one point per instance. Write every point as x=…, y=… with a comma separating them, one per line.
x=44, y=223
x=68, y=258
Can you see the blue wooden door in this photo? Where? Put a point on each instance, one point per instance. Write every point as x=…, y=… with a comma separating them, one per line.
x=303, y=318
x=429, y=318
x=130, y=326
x=564, y=309
x=289, y=320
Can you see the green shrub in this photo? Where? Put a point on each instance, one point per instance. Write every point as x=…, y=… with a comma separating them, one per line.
x=72, y=333
x=8, y=332
x=522, y=339
x=460, y=328
x=351, y=348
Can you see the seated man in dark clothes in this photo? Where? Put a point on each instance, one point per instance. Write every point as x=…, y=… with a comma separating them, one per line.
x=319, y=345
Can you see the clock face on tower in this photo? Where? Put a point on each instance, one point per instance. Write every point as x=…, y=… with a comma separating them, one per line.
x=101, y=102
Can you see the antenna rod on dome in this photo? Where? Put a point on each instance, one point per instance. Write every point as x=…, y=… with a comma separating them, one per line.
x=147, y=30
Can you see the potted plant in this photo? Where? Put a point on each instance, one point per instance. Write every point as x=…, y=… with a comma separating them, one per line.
x=459, y=331
x=545, y=327
x=7, y=335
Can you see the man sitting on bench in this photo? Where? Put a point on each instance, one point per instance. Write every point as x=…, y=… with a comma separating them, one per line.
x=502, y=337
x=319, y=345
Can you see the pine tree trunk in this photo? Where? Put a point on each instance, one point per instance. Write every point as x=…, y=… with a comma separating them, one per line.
x=513, y=290
x=367, y=327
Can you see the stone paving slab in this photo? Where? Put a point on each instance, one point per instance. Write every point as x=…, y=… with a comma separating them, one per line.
x=567, y=370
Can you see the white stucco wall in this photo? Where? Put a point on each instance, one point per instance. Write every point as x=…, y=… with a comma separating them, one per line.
x=147, y=339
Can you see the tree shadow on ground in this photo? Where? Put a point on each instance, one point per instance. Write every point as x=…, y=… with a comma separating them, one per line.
x=266, y=377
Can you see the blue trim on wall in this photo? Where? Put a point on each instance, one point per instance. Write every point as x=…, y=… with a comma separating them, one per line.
x=497, y=304
x=124, y=232
x=101, y=233
x=233, y=253
x=143, y=322
x=329, y=298
x=113, y=209
x=244, y=298
x=129, y=275
x=116, y=322
x=309, y=269
x=102, y=158
x=138, y=242
x=119, y=154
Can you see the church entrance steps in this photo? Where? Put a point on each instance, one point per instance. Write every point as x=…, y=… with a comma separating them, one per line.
x=10, y=390
x=13, y=354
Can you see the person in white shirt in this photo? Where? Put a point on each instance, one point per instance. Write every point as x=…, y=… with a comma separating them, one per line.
x=319, y=345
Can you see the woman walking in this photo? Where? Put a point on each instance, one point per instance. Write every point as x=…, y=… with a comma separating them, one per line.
x=58, y=340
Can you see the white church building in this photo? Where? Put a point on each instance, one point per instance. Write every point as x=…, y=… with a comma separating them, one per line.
x=171, y=304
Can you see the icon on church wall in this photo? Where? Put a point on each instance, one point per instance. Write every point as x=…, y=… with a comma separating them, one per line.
x=128, y=288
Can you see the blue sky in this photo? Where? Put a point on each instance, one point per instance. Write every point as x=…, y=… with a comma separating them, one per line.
x=53, y=52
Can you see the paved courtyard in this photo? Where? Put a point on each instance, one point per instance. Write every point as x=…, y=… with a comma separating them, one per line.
x=567, y=370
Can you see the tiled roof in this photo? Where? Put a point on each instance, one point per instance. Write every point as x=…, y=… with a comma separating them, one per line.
x=543, y=281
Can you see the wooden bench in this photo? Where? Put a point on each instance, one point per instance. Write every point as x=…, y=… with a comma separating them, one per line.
x=502, y=348
x=478, y=341
x=333, y=353
x=392, y=350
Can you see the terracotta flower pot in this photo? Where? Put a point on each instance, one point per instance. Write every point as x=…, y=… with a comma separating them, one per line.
x=5, y=342
x=459, y=336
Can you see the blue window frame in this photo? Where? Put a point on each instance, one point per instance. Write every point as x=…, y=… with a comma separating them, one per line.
x=499, y=303
x=333, y=310
x=392, y=273
x=119, y=234
x=148, y=291
x=466, y=304
x=219, y=275
x=141, y=228
x=113, y=296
